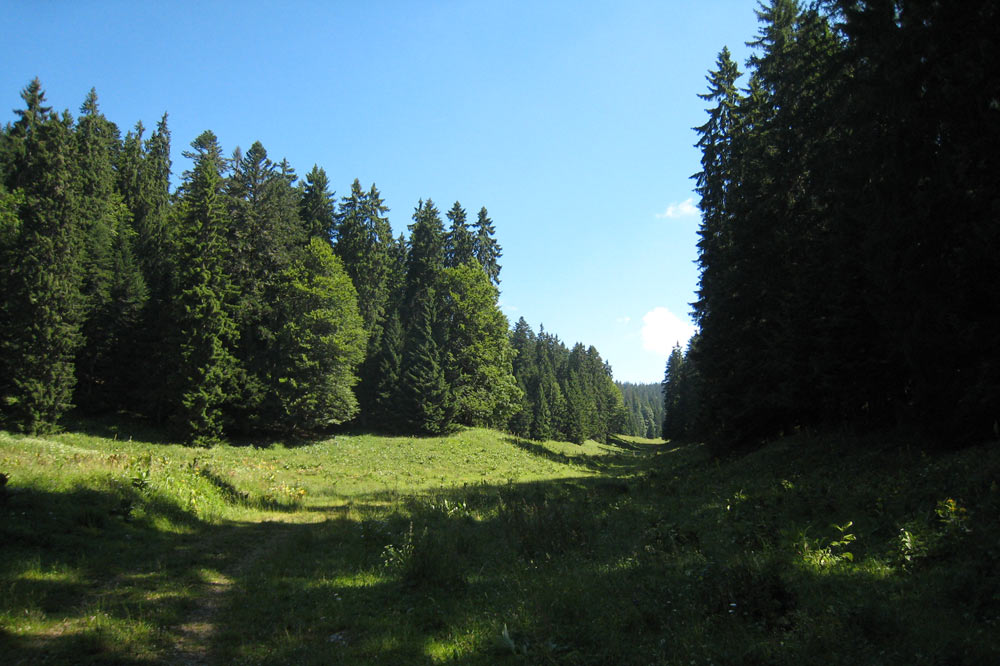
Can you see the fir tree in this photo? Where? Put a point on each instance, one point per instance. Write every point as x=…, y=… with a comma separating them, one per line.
x=423, y=399
x=43, y=306
x=317, y=209
x=113, y=289
x=364, y=238
x=388, y=362
x=486, y=248
x=459, y=243
x=205, y=331
x=265, y=237
x=426, y=257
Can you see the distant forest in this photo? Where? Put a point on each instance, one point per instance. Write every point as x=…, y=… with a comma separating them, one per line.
x=251, y=301
x=850, y=236
x=644, y=406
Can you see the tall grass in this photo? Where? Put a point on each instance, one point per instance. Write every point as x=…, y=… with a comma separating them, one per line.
x=481, y=548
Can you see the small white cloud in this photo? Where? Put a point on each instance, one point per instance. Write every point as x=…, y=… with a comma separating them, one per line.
x=685, y=208
x=623, y=320
x=662, y=329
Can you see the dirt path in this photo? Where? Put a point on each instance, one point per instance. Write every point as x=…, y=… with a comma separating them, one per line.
x=194, y=636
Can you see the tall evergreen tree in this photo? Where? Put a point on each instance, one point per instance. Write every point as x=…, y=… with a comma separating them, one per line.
x=317, y=209
x=43, y=307
x=265, y=238
x=143, y=180
x=319, y=345
x=477, y=356
x=486, y=248
x=389, y=367
x=364, y=237
x=114, y=289
x=426, y=257
x=202, y=306
x=459, y=243
x=424, y=399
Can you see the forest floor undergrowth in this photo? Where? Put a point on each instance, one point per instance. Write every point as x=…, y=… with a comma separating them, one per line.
x=117, y=546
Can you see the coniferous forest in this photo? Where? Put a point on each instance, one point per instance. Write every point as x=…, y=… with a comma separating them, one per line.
x=850, y=228
x=249, y=300
x=828, y=491
x=847, y=253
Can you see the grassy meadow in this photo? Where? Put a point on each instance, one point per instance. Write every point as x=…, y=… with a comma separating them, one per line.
x=117, y=546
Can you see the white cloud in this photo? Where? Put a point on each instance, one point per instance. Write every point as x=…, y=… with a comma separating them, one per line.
x=662, y=329
x=623, y=320
x=685, y=208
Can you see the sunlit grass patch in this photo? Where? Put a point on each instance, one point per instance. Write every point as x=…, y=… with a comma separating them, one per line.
x=481, y=548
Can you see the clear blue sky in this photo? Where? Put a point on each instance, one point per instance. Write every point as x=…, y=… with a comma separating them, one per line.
x=570, y=121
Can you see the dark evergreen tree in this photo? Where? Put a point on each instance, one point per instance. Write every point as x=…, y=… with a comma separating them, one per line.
x=114, y=290
x=364, y=242
x=43, y=307
x=143, y=180
x=459, y=243
x=423, y=399
x=317, y=209
x=486, y=248
x=541, y=422
x=522, y=340
x=388, y=361
x=426, y=258
x=205, y=332
x=364, y=238
x=265, y=238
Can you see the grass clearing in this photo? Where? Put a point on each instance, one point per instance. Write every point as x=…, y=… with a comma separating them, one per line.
x=481, y=548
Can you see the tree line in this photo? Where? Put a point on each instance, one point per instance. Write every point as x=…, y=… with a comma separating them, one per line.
x=249, y=300
x=644, y=409
x=850, y=227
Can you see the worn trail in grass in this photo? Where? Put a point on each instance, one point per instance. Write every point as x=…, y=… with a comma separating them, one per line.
x=480, y=549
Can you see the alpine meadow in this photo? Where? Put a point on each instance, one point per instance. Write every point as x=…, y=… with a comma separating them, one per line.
x=245, y=420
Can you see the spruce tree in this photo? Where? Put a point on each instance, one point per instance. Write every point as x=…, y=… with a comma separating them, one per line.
x=317, y=209
x=426, y=258
x=364, y=238
x=265, y=238
x=143, y=180
x=205, y=333
x=43, y=306
x=486, y=248
x=459, y=242
x=388, y=362
x=114, y=289
x=423, y=399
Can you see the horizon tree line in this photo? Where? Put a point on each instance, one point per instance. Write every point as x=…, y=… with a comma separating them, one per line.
x=247, y=300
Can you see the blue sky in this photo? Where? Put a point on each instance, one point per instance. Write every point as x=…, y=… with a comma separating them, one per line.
x=570, y=121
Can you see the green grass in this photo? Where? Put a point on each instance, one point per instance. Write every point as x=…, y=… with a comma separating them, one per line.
x=478, y=548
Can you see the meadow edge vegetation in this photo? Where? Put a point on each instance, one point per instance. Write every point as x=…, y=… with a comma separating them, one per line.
x=248, y=302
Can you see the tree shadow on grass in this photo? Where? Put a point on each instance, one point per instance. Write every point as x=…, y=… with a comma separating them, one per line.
x=589, y=570
x=627, y=457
